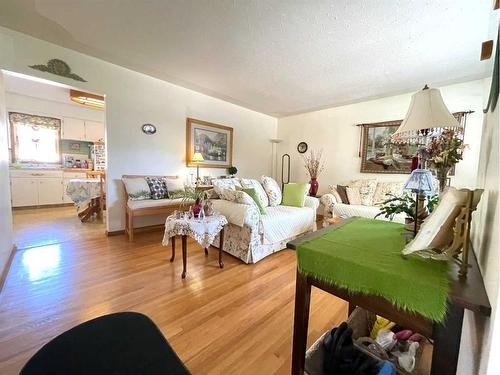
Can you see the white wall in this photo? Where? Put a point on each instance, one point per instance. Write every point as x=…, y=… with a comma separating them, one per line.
x=42, y=99
x=133, y=99
x=334, y=130
x=5, y=208
x=481, y=336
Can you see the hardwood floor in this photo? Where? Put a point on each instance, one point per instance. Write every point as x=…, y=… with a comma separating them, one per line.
x=44, y=226
x=237, y=320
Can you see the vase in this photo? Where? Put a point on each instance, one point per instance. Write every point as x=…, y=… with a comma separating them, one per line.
x=313, y=190
x=197, y=207
x=442, y=177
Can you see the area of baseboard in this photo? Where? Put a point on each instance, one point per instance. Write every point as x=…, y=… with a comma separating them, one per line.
x=5, y=271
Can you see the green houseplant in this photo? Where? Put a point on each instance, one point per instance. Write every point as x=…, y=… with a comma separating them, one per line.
x=232, y=170
x=405, y=204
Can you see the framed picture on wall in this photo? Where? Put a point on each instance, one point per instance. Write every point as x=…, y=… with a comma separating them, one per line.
x=213, y=141
x=379, y=155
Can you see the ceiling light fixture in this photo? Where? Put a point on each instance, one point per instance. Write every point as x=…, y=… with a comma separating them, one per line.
x=87, y=99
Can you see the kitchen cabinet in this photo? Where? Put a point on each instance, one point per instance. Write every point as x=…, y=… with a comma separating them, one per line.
x=73, y=128
x=24, y=192
x=82, y=130
x=94, y=131
x=50, y=191
x=36, y=187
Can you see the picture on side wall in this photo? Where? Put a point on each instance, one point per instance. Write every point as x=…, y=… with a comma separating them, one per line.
x=213, y=141
x=379, y=154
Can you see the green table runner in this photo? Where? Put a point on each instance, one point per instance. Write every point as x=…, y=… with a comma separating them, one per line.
x=364, y=255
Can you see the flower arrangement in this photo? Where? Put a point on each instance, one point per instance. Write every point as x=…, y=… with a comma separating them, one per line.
x=314, y=163
x=442, y=153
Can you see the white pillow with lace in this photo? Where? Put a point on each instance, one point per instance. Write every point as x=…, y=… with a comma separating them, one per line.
x=366, y=190
x=273, y=190
x=353, y=195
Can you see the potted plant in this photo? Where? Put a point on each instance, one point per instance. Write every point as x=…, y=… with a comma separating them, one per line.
x=314, y=166
x=192, y=194
x=442, y=153
x=232, y=171
x=405, y=204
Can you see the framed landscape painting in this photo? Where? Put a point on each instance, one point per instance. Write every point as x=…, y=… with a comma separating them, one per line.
x=379, y=155
x=214, y=142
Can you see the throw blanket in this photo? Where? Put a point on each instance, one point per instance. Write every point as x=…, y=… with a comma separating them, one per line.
x=364, y=255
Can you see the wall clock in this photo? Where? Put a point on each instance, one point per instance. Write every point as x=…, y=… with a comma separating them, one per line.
x=302, y=147
x=148, y=129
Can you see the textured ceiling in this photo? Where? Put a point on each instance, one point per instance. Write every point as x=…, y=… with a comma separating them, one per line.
x=277, y=56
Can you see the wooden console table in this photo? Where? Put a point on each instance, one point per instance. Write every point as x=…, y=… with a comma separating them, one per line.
x=464, y=294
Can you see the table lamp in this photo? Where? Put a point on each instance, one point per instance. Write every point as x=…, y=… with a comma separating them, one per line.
x=197, y=158
x=419, y=182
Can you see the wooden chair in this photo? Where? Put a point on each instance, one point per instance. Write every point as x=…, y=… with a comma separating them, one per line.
x=101, y=175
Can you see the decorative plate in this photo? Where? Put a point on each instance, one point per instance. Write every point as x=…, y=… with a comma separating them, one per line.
x=302, y=147
x=148, y=129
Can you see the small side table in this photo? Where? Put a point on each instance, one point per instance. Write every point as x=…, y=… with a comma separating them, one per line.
x=202, y=231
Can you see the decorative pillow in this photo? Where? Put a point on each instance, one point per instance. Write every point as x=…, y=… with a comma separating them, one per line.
x=353, y=195
x=237, y=196
x=211, y=194
x=437, y=230
x=158, y=187
x=335, y=193
x=175, y=188
x=253, y=194
x=366, y=190
x=341, y=189
x=259, y=190
x=294, y=195
x=137, y=188
x=385, y=188
x=225, y=183
x=273, y=190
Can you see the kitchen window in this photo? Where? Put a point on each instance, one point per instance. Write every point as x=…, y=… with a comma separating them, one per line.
x=35, y=139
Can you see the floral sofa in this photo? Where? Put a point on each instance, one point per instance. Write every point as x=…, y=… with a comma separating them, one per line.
x=371, y=195
x=251, y=236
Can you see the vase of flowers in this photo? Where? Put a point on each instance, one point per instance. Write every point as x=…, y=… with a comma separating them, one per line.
x=314, y=166
x=442, y=154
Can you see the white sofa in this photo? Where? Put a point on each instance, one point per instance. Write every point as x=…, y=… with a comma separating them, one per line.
x=250, y=236
x=333, y=207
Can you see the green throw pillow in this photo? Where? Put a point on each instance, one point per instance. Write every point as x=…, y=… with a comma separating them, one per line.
x=255, y=197
x=294, y=195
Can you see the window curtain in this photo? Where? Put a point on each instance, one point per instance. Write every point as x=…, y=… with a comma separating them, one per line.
x=36, y=138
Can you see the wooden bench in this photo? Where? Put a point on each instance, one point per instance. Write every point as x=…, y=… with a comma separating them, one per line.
x=148, y=207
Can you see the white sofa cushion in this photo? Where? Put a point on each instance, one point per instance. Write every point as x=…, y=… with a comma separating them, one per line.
x=350, y=210
x=354, y=195
x=282, y=222
x=385, y=188
x=237, y=213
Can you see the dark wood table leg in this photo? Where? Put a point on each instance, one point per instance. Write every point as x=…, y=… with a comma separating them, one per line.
x=221, y=245
x=184, y=256
x=206, y=251
x=447, y=342
x=172, y=239
x=300, y=323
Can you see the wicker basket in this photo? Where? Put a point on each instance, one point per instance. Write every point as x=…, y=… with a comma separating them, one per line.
x=361, y=322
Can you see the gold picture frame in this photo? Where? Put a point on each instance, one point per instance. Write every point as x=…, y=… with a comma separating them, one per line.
x=213, y=141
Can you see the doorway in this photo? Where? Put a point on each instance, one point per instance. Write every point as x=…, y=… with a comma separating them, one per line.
x=56, y=147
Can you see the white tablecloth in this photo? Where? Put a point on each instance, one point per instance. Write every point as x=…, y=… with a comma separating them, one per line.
x=81, y=191
x=203, y=231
